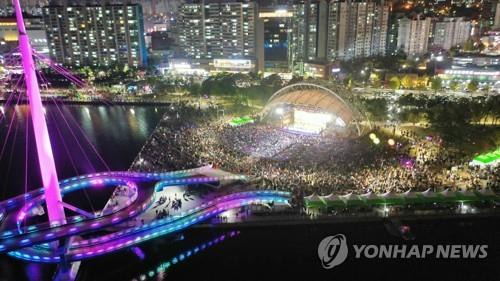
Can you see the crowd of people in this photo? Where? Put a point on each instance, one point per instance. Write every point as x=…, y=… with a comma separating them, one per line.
x=304, y=164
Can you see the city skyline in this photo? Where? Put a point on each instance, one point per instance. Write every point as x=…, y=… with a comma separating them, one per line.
x=244, y=140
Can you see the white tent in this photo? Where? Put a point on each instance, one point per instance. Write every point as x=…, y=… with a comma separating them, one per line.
x=428, y=193
x=330, y=197
x=369, y=196
x=313, y=197
x=389, y=195
x=447, y=193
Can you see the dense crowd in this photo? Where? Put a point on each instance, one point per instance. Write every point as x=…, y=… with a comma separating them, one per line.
x=305, y=164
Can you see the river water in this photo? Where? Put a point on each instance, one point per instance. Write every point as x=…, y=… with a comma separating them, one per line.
x=81, y=135
x=286, y=252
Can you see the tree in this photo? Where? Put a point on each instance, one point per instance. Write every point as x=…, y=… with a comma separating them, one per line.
x=407, y=82
x=486, y=89
x=295, y=79
x=454, y=85
x=376, y=109
x=394, y=83
x=195, y=90
x=375, y=80
x=274, y=81
x=413, y=116
x=472, y=86
x=436, y=84
x=468, y=46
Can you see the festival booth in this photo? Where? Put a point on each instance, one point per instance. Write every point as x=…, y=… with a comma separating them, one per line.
x=466, y=196
x=333, y=201
x=429, y=197
x=411, y=198
x=351, y=200
x=486, y=194
x=491, y=159
x=371, y=199
x=314, y=201
x=446, y=196
x=390, y=198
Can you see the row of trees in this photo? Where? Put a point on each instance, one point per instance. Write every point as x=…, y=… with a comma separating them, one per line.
x=452, y=117
x=244, y=89
x=109, y=75
x=426, y=83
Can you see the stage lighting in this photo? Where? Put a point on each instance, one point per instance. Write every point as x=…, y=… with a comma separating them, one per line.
x=391, y=142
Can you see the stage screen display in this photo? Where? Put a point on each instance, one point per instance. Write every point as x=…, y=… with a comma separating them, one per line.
x=310, y=122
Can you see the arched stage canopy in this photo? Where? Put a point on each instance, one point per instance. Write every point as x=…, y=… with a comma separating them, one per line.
x=313, y=96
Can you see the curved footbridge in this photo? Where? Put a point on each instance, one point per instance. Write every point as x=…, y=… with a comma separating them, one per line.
x=125, y=221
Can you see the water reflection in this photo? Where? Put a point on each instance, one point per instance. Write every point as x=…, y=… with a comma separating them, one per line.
x=159, y=272
x=116, y=132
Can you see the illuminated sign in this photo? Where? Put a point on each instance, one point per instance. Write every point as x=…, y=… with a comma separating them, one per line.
x=13, y=23
x=471, y=72
x=233, y=63
x=280, y=13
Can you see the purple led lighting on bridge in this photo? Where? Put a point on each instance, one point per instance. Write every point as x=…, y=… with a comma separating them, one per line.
x=43, y=146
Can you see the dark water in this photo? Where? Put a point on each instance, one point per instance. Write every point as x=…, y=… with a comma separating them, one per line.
x=116, y=132
x=290, y=253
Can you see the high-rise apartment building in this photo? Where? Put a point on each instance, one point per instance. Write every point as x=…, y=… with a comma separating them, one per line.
x=450, y=32
x=31, y=7
x=357, y=29
x=36, y=31
x=217, y=29
x=413, y=35
x=273, y=38
x=191, y=30
x=92, y=34
x=392, y=33
x=309, y=26
x=158, y=7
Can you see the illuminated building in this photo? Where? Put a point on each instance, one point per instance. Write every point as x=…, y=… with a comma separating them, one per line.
x=96, y=34
x=308, y=39
x=191, y=30
x=357, y=29
x=34, y=27
x=392, y=33
x=273, y=38
x=450, y=32
x=211, y=29
x=413, y=35
x=32, y=7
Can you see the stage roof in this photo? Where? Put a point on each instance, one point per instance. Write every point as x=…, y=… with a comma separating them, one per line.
x=312, y=96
